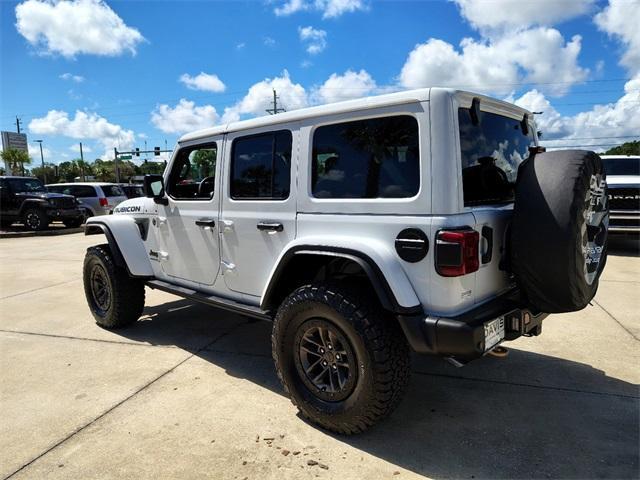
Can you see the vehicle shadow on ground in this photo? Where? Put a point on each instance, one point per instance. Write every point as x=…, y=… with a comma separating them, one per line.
x=526, y=416
x=624, y=245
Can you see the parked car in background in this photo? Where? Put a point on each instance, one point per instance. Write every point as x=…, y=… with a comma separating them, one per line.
x=26, y=200
x=95, y=197
x=132, y=190
x=623, y=181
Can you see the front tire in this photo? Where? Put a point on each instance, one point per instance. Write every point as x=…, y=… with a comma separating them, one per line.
x=343, y=364
x=35, y=219
x=115, y=299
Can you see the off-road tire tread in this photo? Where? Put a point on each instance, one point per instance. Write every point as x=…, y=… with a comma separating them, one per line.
x=128, y=294
x=382, y=337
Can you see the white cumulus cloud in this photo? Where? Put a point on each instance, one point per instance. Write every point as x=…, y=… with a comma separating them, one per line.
x=72, y=78
x=34, y=153
x=72, y=27
x=537, y=56
x=603, y=124
x=314, y=39
x=186, y=116
x=329, y=8
x=259, y=98
x=84, y=125
x=203, y=81
x=621, y=19
x=347, y=86
x=500, y=14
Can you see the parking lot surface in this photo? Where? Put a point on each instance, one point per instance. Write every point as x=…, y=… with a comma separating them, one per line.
x=191, y=392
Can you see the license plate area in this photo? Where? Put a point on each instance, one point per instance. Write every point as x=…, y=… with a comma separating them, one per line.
x=493, y=333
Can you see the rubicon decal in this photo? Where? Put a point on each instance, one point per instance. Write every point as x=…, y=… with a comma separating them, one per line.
x=128, y=209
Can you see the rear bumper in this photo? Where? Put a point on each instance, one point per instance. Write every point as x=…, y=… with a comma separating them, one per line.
x=462, y=337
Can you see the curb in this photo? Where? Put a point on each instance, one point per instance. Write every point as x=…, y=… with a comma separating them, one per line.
x=42, y=233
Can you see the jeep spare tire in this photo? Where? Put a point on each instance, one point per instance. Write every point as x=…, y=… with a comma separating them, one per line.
x=559, y=229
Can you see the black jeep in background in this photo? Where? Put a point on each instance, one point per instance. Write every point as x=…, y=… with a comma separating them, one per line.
x=26, y=200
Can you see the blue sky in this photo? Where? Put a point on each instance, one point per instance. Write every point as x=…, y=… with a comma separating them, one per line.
x=108, y=73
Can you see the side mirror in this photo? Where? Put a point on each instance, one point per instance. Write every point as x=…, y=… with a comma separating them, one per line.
x=154, y=188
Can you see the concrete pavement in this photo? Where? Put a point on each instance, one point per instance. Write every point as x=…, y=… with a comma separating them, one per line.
x=191, y=392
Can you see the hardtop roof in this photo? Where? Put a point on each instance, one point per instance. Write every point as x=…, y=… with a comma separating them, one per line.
x=398, y=98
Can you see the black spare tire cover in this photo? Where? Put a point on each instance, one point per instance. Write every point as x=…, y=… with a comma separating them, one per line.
x=559, y=229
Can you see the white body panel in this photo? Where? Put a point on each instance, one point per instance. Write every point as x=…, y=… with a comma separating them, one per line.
x=236, y=260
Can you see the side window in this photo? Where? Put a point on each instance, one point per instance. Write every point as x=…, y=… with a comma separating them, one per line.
x=374, y=158
x=261, y=166
x=82, y=191
x=193, y=173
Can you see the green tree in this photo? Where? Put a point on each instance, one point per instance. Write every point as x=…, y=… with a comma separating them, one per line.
x=627, y=148
x=50, y=172
x=16, y=160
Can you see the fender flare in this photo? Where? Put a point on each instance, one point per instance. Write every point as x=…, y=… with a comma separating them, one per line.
x=125, y=241
x=32, y=203
x=397, y=297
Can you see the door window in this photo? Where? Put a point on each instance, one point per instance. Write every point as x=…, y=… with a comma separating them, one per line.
x=374, y=158
x=261, y=166
x=193, y=173
x=81, y=191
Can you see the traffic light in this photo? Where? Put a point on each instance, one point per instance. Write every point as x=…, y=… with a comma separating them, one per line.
x=156, y=151
x=137, y=152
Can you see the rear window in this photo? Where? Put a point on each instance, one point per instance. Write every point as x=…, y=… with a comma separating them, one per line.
x=112, y=191
x=491, y=152
x=374, y=158
x=622, y=166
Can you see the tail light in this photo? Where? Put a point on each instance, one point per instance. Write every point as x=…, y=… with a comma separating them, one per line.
x=103, y=202
x=457, y=252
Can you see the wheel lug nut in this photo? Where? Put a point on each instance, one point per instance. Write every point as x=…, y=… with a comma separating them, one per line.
x=324, y=363
x=337, y=356
x=329, y=347
x=321, y=350
x=334, y=366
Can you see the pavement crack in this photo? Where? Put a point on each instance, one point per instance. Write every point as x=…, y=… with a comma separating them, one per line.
x=85, y=339
x=528, y=385
x=121, y=402
x=39, y=288
x=618, y=322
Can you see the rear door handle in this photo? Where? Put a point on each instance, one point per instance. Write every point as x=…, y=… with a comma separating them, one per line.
x=205, y=222
x=270, y=226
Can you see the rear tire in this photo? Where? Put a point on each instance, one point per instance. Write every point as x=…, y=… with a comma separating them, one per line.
x=35, y=219
x=345, y=394
x=115, y=299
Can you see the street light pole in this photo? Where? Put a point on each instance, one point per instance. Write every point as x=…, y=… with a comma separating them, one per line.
x=44, y=172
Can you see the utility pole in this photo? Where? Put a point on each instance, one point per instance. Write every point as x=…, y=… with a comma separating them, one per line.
x=84, y=179
x=18, y=122
x=44, y=172
x=275, y=108
x=115, y=163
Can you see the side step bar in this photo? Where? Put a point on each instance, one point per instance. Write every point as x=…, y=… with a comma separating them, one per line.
x=212, y=300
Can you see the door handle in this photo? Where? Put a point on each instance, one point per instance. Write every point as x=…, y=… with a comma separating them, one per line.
x=270, y=226
x=205, y=222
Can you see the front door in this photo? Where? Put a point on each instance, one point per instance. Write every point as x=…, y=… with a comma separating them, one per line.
x=187, y=230
x=259, y=207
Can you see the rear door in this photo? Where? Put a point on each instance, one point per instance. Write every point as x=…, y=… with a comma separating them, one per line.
x=492, y=148
x=258, y=206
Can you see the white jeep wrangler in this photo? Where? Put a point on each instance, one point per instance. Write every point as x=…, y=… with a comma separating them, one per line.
x=426, y=220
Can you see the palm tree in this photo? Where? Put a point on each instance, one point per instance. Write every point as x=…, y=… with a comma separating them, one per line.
x=15, y=160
